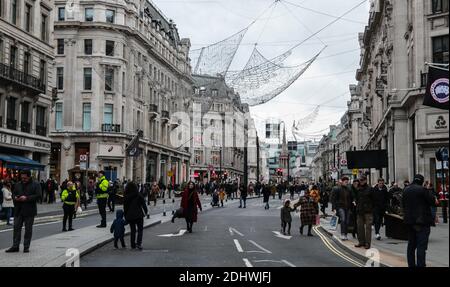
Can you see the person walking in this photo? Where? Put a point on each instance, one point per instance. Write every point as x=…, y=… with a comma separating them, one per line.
x=154, y=193
x=266, y=191
x=26, y=193
x=342, y=201
x=286, y=218
x=243, y=197
x=364, y=210
x=71, y=201
x=118, y=229
x=431, y=189
x=307, y=212
x=8, y=203
x=324, y=199
x=381, y=200
x=417, y=202
x=113, y=188
x=222, y=194
x=189, y=202
x=101, y=192
x=135, y=210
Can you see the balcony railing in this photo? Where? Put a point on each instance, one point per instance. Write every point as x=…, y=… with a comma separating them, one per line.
x=41, y=130
x=13, y=75
x=109, y=128
x=153, y=108
x=11, y=124
x=25, y=127
x=165, y=115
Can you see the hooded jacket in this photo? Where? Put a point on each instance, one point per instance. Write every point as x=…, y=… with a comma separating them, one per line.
x=118, y=226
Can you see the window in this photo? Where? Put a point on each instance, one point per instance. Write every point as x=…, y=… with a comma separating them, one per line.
x=88, y=46
x=60, y=46
x=14, y=9
x=60, y=78
x=44, y=27
x=89, y=14
x=28, y=17
x=1, y=47
x=439, y=6
x=11, y=113
x=61, y=13
x=1, y=8
x=198, y=156
x=87, y=79
x=123, y=83
x=108, y=114
x=86, y=117
x=110, y=15
x=59, y=116
x=26, y=62
x=25, y=116
x=41, y=129
x=109, y=48
x=440, y=49
x=43, y=71
x=215, y=157
x=214, y=93
x=13, y=57
x=109, y=79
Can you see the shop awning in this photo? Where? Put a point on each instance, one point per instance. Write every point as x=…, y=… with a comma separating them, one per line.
x=20, y=162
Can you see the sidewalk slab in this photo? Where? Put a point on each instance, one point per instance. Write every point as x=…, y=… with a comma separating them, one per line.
x=392, y=252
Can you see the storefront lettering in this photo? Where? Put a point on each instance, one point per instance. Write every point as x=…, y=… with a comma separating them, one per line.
x=42, y=145
x=21, y=141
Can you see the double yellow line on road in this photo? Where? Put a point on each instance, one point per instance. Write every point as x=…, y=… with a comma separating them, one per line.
x=333, y=249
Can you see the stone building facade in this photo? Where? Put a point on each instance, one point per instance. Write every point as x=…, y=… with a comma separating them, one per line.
x=120, y=67
x=26, y=85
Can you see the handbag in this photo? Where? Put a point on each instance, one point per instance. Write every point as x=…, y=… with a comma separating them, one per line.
x=334, y=222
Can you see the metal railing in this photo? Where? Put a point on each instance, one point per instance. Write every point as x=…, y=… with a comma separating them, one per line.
x=11, y=124
x=14, y=75
x=41, y=130
x=25, y=127
x=109, y=128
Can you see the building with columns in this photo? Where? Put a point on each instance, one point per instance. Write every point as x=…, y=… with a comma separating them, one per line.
x=120, y=67
x=26, y=84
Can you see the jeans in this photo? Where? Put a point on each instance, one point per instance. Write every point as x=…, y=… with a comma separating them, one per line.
x=242, y=199
x=378, y=216
x=139, y=224
x=433, y=213
x=344, y=216
x=417, y=242
x=8, y=213
x=19, y=221
x=364, y=222
x=101, y=202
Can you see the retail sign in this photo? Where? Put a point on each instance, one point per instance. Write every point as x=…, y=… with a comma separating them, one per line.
x=23, y=142
x=355, y=171
x=111, y=150
x=437, y=123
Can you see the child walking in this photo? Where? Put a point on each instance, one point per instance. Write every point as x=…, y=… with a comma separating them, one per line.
x=221, y=195
x=118, y=228
x=286, y=217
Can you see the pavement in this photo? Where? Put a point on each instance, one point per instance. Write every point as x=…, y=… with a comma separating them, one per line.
x=392, y=252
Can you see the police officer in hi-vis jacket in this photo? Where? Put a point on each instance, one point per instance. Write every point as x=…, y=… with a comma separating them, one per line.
x=101, y=192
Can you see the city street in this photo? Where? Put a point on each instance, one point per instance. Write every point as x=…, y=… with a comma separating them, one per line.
x=225, y=237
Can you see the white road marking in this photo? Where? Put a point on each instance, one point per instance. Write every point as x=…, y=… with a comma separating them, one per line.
x=247, y=262
x=206, y=228
x=278, y=234
x=288, y=263
x=180, y=233
x=238, y=246
x=233, y=230
x=260, y=247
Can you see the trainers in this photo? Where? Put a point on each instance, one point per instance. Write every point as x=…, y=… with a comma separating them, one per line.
x=378, y=236
x=343, y=237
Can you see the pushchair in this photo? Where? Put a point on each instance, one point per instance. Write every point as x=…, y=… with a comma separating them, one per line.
x=215, y=199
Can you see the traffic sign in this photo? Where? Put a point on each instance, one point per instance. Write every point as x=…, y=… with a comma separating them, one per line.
x=83, y=157
x=343, y=161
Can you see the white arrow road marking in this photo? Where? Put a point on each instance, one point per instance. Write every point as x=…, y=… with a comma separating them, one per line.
x=247, y=262
x=260, y=247
x=180, y=233
x=278, y=234
x=238, y=246
x=233, y=230
x=276, y=261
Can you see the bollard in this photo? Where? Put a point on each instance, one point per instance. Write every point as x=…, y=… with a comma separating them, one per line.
x=164, y=207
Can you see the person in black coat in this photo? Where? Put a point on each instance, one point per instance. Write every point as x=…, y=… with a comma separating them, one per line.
x=26, y=193
x=380, y=204
x=266, y=195
x=243, y=198
x=135, y=210
x=417, y=202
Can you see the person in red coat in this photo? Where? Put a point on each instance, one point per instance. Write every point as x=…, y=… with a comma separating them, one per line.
x=189, y=202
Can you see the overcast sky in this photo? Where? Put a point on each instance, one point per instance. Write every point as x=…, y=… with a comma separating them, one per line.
x=280, y=28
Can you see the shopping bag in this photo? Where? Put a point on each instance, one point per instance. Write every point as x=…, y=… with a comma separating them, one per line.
x=334, y=222
x=317, y=219
x=79, y=210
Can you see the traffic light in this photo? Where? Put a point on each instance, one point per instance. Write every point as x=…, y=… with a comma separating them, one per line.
x=279, y=172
